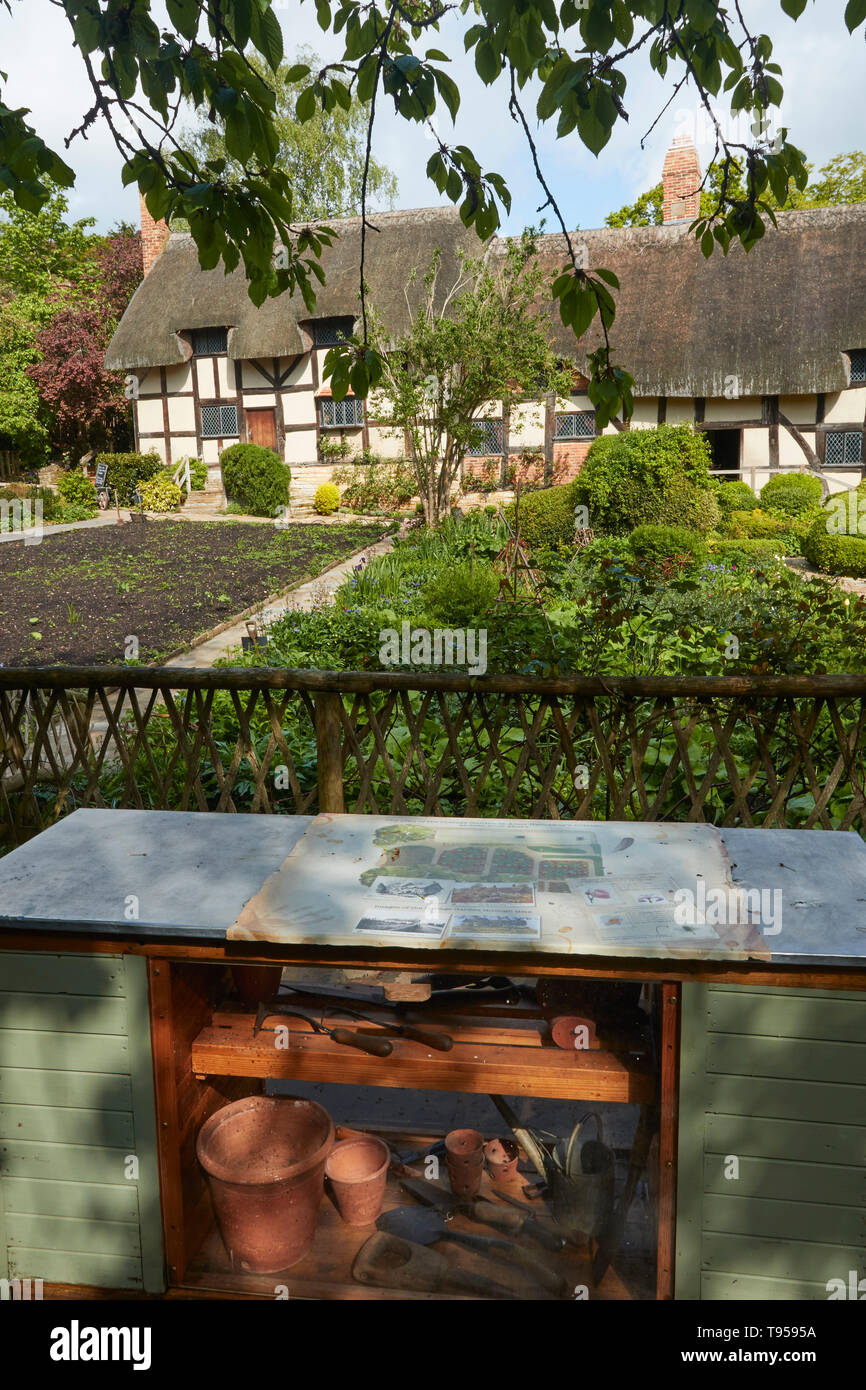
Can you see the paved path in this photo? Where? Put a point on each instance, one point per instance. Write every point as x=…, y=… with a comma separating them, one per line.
x=804, y=569
x=47, y=530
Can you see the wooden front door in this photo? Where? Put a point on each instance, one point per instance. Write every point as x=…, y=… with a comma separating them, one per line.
x=262, y=427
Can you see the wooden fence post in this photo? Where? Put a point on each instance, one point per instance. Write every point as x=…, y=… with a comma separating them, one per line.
x=329, y=751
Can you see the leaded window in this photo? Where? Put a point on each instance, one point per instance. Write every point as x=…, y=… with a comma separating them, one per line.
x=219, y=421
x=487, y=438
x=330, y=332
x=346, y=413
x=857, y=359
x=207, y=341
x=575, y=424
x=844, y=446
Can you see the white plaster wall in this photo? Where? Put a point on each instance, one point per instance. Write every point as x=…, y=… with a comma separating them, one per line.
x=179, y=378
x=210, y=451
x=790, y=453
x=149, y=415
x=680, y=412
x=800, y=410
x=527, y=425
x=205, y=377
x=722, y=411
x=181, y=413
x=301, y=373
x=301, y=447
x=756, y=453
x=251, y=376
x=646, y=413
x=263, y=402
x=154, y=444
x=387, y=442
x=299, y=407
x=846, y=407
x=490, y=410
x=149, y=383
x=226, y=377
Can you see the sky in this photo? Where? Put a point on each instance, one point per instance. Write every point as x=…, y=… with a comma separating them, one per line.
x=823, y=75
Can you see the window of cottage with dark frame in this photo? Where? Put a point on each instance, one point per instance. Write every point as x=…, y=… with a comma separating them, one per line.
x=208, y=341
x=488, y=437
x=857, y=358
x=330, y=332
x=219, y=421
x=843, y=446
x=574, y=424
x=344, y=414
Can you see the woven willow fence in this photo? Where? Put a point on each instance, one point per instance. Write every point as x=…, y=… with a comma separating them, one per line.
x=763, y=751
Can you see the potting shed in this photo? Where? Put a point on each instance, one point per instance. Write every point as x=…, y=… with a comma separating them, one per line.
x=723, y=1058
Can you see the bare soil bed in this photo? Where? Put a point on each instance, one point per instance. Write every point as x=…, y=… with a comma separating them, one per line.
x=77, y=597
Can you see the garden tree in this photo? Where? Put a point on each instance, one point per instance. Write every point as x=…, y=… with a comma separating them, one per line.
x=323, y=157
x=481, y=338
x=841, y=180
x=572, y=53
x=63, y=289
x=87, y=404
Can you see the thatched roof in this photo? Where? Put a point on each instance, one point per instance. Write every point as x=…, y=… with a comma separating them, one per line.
x=177, y=294
x=777, y=318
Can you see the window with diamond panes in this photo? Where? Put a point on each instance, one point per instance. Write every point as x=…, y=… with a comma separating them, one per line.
x=341, y=414
x=206, y=341
x=844, y=446
x=488, y=438
x=329, y=332
x=219, y=421
x=576, y=424
x=857, y=359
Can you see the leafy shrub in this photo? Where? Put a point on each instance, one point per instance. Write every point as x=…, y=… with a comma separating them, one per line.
x=72, y=511
x=723, y=549
x=792, y=492
x=197, y=475
x=75, y=488
x=547, y=516
x=160, y=493
x=256, y=478
x=660, y=543
x=330, y=450
x=462, y=593
x=327, y=499
x=735, y=496
x=660, y=476
x=755, y=525
x=373, y=483
x=836, y=541
x=126, y=471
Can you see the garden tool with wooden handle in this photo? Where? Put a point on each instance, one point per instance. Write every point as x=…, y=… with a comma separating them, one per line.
x=390, y=1262
x=376, y=1047
x=426, y=1227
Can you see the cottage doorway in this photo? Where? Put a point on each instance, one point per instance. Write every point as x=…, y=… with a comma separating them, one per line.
x=262, y=428
x=725, y=449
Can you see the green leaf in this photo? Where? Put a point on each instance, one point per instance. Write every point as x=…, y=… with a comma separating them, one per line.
x=323, y=14
x=268, y=37
x=794, y=8
x=855, y=13
x=701, y=14
x=297, y=72
x=305, y=106
x=487, y=62
x=184, y=16
x=707, y=243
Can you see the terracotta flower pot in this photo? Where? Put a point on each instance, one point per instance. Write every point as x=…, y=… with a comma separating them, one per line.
x=255, y=983
x=357, y=1170
x=464, y=1154
x=502, y=1156
x=265, y=1161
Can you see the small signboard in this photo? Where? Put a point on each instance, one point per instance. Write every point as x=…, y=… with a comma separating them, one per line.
x=101, y=474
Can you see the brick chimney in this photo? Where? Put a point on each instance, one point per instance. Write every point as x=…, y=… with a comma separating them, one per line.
x=681, y=179
x=154, y=235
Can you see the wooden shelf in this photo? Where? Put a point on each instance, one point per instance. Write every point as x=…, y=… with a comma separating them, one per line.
x=227, y=1047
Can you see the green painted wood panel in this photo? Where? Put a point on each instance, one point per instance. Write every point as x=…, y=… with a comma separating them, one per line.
x=38, y=972
x=88, y=1200
x=88, y=1089
x=786, y=1139
x=67, y=1013
x=64, y=1051
x=76, y=1267
x=79, y=1184
x=63, y=1125
x=767, y=1015
x=73, y=1233
x=776, y=1079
